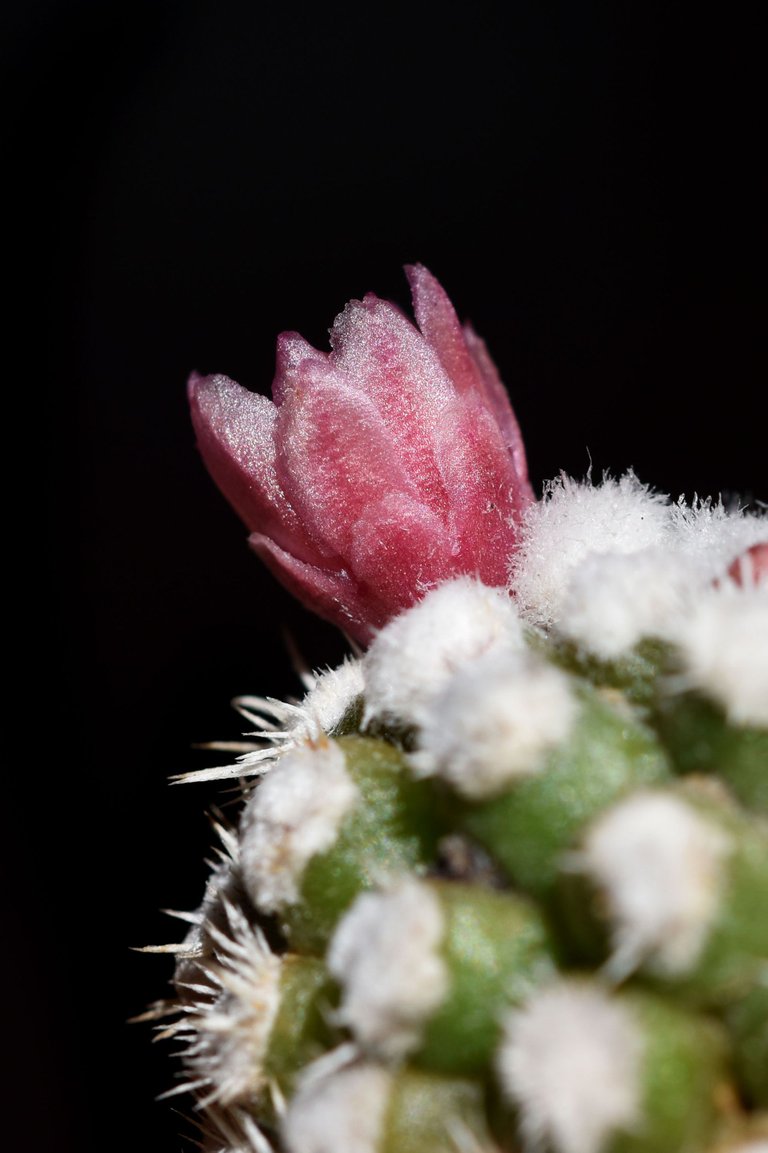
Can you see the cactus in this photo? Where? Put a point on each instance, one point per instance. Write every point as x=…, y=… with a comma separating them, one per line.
x=498, y=882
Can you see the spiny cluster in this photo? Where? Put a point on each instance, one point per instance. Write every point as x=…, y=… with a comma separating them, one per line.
x=500, y=883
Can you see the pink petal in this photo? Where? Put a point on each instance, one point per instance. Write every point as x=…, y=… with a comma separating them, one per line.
x=236, y=437
x=440, y=326
x=399, y=550
x=335, y=456
x=332, y=595
x=486, y=497
x=464, y=357
x=292, y=353
x=385, y=356
x=498, y=400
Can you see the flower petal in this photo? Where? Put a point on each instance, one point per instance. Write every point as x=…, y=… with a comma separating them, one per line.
x=332, y=595
x=236, y=436
x=464, y=356
x=335, y=456
x=292, y=353
x=486, y=500
x=497, y=399
x=440, y=327
x=385, y=356
x=401, y=549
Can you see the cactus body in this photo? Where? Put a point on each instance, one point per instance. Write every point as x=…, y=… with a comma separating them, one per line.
x=432, y=882
x=500, y=884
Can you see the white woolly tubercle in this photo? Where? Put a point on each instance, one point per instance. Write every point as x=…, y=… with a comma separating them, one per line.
x=417, y=653
x=573, y=520
x=660, y=866
x=284, y=725
x=342, y=1110
x=714, y=536
x=724, y=646
x=494, y=722
x=332, y=695
x=614, y=600
x=233, y=1034
x=385, y=955
x=228, y=1013
x=570, y=1060
x=293, y=814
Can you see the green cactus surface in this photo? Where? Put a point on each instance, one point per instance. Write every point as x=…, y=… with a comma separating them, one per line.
x=573, y=961
x=499, y=882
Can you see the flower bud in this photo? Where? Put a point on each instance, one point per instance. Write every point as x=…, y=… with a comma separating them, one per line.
x=382, y=468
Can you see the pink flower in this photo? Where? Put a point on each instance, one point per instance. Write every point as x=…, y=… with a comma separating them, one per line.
x=381, y=468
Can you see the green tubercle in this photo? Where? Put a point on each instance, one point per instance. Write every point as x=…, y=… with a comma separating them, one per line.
x=537, y=819
x=431, y=1113
x=672, y=883
x=302, y=1028
x=497, y=948
x=393, y=829
x=686, y=1084
x=701, y=739
x=594, y=1071
x=747, y=1021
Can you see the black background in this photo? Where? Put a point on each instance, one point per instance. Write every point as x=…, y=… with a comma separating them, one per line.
x=193, y=178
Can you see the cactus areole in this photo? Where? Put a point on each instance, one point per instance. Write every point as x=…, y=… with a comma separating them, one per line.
x=497, y=883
